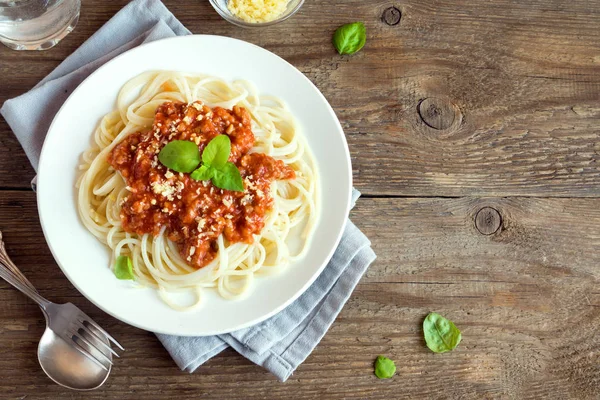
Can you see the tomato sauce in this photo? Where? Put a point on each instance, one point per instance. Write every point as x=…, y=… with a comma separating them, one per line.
x=194, y=213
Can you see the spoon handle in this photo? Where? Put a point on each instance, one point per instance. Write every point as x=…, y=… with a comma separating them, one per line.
x=11, y=274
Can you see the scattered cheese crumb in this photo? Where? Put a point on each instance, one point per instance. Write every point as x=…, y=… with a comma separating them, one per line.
x=165, y=189
x=247, y=199
x=249, y=184
x=169, y=174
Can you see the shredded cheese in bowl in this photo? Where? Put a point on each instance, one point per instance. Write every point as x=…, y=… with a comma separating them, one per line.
x=256, y=11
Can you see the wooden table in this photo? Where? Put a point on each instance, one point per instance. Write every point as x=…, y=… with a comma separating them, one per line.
x=474, y=129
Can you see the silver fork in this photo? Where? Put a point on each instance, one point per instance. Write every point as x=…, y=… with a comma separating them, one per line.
x=66, y=320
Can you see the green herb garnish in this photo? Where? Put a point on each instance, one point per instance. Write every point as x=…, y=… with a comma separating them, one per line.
x=223, y=174
x=180, y=155
x=350, y=38
x=228, y=178
x=184, y=156
x=216, y=153
x=441, y=335
x=203, y=173
x=124, y=268
x=384, y=367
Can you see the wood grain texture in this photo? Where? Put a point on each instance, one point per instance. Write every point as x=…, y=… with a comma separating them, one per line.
x=524, y=75
x=526, y=299
x=522, y=80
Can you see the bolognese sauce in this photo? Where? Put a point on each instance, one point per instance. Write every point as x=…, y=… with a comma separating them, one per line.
x=194, y=213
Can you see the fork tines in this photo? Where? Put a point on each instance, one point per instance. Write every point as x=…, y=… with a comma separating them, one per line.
x=93, y=341
x=88, y=322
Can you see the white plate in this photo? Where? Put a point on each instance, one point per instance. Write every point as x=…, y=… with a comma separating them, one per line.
x=85, y=261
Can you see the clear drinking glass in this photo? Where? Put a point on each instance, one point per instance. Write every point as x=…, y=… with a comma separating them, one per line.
x=36, y=24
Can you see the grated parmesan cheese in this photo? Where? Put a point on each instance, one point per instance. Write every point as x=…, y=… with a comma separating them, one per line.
x=165, y=189
x=255, y=11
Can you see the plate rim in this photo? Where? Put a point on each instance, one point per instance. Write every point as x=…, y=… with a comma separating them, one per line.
x=291, y=299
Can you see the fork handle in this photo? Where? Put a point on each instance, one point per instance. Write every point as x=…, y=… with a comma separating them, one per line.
x=4, y=259
x=11, y=274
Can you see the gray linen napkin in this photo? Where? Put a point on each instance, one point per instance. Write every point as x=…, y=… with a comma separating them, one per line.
x=283, y=342
x=280, y=343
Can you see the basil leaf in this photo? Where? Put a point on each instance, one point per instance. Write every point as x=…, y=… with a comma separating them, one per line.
x=441, y=335
x=216, y=153
x=384, y=367
x=203, y=173
x=180, y=156
x=124, y=268
x=228, y=178
x=350, y=38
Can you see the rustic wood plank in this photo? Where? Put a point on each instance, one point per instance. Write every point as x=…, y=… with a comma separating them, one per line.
x=524, y=79
x=526, y=299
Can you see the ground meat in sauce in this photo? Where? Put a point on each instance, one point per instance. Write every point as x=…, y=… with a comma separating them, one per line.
x=194, y=213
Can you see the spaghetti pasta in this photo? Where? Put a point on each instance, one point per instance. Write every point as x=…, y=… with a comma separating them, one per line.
x=157, y=262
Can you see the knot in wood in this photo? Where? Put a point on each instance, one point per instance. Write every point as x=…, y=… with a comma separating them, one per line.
x=488, y=220
x=391, y=16
x=437, y=113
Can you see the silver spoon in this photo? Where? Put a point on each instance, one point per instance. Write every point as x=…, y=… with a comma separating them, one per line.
x=73, y=351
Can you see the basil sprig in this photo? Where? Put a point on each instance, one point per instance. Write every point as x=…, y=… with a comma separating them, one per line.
x=350, y=38
x=180, y=156
x=217, y=152
x=228, y=177
x=184, y=156
x=223, y=174
x=441, y=335
x=124, y=268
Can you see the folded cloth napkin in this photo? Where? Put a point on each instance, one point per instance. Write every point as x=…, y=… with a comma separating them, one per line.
x=280, y=343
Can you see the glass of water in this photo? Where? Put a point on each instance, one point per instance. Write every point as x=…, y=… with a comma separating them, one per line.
x=36, y=24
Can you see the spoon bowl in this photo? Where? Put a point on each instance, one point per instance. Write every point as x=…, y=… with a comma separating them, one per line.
x=67, y=366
